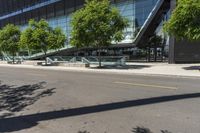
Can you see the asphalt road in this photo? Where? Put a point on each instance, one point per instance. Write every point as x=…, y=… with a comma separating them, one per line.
x=50, y=101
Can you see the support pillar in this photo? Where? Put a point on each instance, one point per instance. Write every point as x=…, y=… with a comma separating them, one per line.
x=171, y=38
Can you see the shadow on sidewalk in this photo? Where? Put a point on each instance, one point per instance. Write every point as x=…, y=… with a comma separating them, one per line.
x=192, y=68
x=126, y=67
x=14, y=99
x=27, y=121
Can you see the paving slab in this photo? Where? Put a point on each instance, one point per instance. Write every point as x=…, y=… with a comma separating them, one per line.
x=184, y=70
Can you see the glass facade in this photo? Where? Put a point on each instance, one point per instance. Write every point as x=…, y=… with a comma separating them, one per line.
x=142, y=10
x=137, y=12
x=58, y=13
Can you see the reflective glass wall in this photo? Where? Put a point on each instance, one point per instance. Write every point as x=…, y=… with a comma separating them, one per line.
x=59, y=14
x=127, y=9
x=137, y=12
x=142, y=10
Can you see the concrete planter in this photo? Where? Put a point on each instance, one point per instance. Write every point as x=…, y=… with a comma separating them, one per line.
x=64, y=64
x=74, y=64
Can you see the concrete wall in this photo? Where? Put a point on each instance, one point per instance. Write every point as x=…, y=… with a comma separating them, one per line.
x=186, y=52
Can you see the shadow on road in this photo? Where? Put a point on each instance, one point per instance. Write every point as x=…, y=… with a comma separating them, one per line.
x=27, y=121
x=83, y=131
x=146, y=130
x=141, y=130
x=14, y=99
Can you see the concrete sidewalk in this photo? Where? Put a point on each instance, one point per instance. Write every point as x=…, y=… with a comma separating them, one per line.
x=164, y=69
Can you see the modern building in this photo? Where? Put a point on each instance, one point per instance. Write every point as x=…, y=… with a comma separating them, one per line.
x=145, y=17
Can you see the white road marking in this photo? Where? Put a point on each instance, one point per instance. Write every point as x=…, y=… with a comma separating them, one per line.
x=147, y=85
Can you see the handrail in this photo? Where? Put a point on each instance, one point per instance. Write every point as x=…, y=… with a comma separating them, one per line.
x=73, y=59
x=122, y=61
x=49, y=61
x=41, y=54
x=84, y=60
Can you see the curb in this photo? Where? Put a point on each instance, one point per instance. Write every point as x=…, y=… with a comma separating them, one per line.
x=84, y=70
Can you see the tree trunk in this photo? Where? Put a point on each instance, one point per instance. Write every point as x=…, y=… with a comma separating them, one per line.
x=29, y=53
x=45, y=56
x=162, y=53
x=99, y=57
x=77, y=52
x=146, y=54
x=13, y=57
x=149, y=54
x=155, y=54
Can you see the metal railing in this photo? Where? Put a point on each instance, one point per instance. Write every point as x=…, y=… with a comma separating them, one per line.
x=17, y=59
x=91, y=60
x=41, y=54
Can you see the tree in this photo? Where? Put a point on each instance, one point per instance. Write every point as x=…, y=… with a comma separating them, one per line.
x=185, y=20
x=97, y=25
x=155, y=41
x=9, y=40
x=40, y=36
x=26, y=40
x=56, y=38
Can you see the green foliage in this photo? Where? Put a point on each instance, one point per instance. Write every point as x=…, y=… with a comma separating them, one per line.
x=27, y=42
x=155, y=41
x=97, y=24
x=57, y=39
x=9, y=39
x=185, y=20
x=40, y=36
